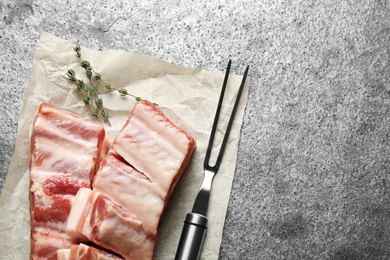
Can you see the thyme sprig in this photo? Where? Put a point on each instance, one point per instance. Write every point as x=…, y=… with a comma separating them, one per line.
x=99, y=110
x=97, y=76
x=90, y=97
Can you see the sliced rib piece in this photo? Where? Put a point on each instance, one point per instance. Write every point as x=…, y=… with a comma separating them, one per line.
x=110, y=226
x=84, y=252
x=63, y=254
x=44, y=244
x=146, y=160
x=130, y=189
x=63, y=143
x=153, y=145
x=65, y=152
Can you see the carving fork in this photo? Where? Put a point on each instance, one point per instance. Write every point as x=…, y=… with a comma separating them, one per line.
x=195, y=224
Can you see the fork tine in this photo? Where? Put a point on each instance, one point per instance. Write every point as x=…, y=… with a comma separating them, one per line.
x=212, y=134
x=225, y=138
x=195, y=225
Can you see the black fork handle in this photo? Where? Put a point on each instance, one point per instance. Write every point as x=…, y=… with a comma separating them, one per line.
x=192, y=236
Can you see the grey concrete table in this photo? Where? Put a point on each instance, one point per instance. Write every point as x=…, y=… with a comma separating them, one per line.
x=312, y=178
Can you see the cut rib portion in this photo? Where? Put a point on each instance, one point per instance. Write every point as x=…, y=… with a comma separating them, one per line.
x=63, y=254
x=153, y=145
x=44, y=244
x=108, y=225
x=130, y=189
x=63, y=143
x=65, y=152
x=146, y=160
x=84, y=252
x=133, y=185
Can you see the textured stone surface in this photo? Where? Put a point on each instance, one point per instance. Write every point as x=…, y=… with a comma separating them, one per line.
x=312, y=178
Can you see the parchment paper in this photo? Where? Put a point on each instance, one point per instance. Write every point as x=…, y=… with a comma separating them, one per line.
x=187, y=96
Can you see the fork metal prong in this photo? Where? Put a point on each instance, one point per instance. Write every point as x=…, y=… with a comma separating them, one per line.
x=195, y=225
x=214, y=128
x=225, y=138
x=207, y=165
x=202, y=198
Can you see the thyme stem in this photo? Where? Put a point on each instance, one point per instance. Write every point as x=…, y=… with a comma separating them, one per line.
x=98, y=102
x=87, y=92
x=89, y=70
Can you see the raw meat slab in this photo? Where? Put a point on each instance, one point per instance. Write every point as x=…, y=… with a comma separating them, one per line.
x=65, y=152
x=133, y=185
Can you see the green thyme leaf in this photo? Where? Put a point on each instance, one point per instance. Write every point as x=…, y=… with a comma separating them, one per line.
x=77, y=49
x=89, y=73
x=71, y=75
x=86, y=101
x=99, y=101
x=80, y=83
x=104, y=113
x=94, y=112
x=97, y=76
x=85, y=64
x=123, y=91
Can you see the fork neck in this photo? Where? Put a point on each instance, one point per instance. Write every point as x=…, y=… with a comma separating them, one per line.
x=202, y=199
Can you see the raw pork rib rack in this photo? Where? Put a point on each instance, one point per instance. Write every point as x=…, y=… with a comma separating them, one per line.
x=65, y=152
x=130, y=190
